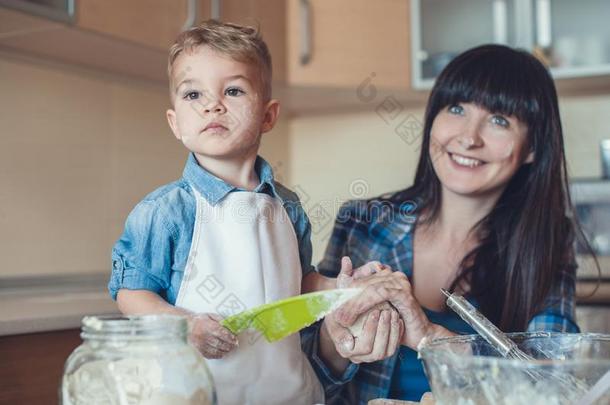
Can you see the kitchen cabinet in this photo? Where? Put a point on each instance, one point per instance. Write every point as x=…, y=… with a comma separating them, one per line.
x=28, y=35
x=341, y=43
x=572, y=38
x=323, y=52
x=57, y=10
x=270, y=17
x=156, y=23
x=441, y=30
x=127, y=37
x=153, y=23
x=325, y=46
x=338, y=43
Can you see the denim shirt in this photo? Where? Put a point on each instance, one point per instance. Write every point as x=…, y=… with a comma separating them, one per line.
x=152, y=252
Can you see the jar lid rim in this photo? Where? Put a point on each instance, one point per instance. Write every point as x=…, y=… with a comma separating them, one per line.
x=134, y=325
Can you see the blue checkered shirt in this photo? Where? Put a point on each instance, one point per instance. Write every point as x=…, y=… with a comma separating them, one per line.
x=383, y=231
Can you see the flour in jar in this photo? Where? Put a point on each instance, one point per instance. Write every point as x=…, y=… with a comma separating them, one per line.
x=142, y=381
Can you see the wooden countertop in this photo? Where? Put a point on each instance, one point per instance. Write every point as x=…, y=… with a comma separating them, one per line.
x=587, y=269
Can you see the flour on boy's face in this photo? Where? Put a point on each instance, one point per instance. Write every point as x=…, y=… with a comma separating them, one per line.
x=218, y=106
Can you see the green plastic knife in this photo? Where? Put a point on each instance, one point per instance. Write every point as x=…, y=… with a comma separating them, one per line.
x=282, y=318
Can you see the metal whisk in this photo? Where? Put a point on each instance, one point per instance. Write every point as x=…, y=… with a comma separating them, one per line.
x=484, y=327
x=503, y=344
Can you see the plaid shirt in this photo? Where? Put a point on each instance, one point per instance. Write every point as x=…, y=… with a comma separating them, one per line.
x=373, y=230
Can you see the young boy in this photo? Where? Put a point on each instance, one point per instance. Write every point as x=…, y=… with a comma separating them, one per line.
x=226, y=236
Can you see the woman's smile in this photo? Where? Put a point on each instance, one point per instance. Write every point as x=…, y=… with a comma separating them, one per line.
x=464, y=161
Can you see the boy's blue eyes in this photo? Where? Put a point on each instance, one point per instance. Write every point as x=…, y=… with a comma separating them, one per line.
x=495, y=119
x=231, y=91
x=234, y=91
x=191, y=95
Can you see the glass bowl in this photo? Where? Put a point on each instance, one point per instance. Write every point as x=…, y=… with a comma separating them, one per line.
x=466, y=370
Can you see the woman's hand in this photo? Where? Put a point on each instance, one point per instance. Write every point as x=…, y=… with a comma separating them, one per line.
x=382, y=329
x=396, y=289
x=417, y=324
x=379, y=339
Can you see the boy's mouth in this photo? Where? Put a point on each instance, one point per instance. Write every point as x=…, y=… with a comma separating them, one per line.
x=214, y=127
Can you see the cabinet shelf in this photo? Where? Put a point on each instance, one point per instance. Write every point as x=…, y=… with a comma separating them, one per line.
x=573, y=38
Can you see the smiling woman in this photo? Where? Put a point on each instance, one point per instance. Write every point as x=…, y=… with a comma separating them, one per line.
x=489, y=216
x=493, y=139
x=477, y=151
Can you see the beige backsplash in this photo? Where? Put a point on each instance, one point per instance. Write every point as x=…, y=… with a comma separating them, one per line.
x=79, y=149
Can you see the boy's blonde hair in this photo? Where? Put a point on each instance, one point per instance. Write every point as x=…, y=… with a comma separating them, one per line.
x=240, y=43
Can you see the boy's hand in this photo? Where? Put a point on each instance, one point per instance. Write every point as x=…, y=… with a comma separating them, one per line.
x=212, y=339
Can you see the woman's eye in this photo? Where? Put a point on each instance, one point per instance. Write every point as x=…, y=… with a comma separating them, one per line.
x=456, y=109
x=500, y=120
x=234, y=92
x=191, y=95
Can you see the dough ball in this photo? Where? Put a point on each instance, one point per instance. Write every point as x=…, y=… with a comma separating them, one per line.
x=357, y=327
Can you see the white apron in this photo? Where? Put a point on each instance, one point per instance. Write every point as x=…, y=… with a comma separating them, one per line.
x=244, y=253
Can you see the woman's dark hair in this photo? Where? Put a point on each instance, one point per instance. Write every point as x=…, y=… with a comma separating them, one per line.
x=527, y=238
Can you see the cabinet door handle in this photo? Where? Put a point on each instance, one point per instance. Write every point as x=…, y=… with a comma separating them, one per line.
x=524, y=37
x=305, y=7
x=500, y=20
x=544, y=33
x=215, y=9
x=191, y=14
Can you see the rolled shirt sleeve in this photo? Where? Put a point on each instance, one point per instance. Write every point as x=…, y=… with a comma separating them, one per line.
x=304, y=237
x=141, y=258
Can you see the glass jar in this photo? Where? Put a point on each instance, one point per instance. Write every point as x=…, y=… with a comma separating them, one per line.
x=142, y=360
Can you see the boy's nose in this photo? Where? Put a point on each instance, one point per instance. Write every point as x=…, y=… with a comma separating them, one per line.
x=215, y=106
